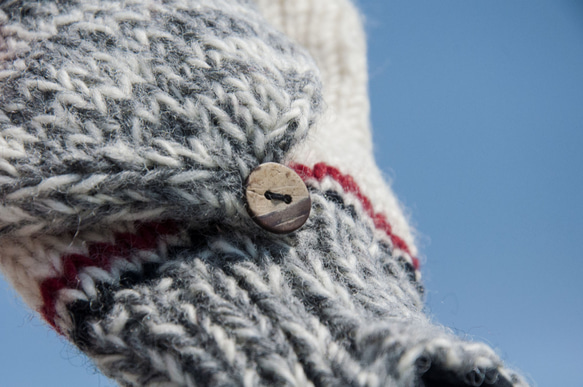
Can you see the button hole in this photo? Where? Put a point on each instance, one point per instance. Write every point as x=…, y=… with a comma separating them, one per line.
x=287, y=199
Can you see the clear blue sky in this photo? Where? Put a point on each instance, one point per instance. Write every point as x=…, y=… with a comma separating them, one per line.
x=477, y=108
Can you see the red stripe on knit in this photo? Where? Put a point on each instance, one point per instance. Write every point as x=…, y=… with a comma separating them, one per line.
x=322, y=170
x=99, y=255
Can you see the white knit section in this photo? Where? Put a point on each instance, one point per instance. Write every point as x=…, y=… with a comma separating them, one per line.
x=28, y=261
x=332, y=32
x=25, y=264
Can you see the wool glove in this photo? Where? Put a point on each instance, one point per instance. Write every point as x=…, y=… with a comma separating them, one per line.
x=127, y=132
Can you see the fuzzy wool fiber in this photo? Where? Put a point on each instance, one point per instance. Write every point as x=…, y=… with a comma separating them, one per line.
x=127, y=130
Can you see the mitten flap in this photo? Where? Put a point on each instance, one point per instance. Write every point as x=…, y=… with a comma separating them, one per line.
x=138, y=110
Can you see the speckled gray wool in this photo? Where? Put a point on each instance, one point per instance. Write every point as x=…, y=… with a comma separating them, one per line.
x=142, y=109
x=116, y=115
x=329, y=305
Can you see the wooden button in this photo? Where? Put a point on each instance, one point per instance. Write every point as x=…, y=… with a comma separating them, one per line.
x=277, y=198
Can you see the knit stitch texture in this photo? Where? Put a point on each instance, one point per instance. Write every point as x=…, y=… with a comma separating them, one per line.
x=127, y=130
x=135, y=110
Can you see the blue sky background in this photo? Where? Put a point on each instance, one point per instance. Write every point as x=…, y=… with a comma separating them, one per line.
x=477, y=109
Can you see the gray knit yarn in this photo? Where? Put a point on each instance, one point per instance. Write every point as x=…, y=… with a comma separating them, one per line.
x=329, y=305
x=142, y=109
x=113, y=113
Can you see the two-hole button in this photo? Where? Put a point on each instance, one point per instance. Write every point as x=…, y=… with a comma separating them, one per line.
x=277, y=198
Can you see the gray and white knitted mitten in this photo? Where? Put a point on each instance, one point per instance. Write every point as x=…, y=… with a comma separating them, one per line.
x=127, y=132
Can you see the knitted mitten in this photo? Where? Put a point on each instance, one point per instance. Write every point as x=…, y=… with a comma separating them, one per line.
x=127, y=132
